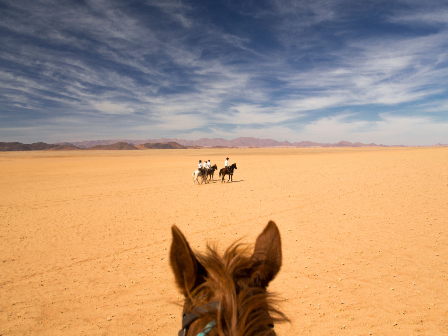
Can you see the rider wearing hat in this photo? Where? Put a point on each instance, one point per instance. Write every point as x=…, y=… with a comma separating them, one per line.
x=227, y=164
x=208, y=164
x=201, y=168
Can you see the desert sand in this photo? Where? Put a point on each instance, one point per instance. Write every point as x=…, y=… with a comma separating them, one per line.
x=85, y=237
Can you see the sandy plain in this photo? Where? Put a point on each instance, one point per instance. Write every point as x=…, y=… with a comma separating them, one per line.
x=85, y=236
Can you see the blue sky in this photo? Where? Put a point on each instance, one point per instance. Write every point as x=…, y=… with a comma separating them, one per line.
x=325, y=71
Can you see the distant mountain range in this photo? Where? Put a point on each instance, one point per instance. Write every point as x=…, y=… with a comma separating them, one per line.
x=173, y=143
x=17, y=146
x=220, y=142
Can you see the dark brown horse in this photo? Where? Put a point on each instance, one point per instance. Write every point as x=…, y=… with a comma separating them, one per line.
x=211, y=171
x=226, y=294
x=227, y=171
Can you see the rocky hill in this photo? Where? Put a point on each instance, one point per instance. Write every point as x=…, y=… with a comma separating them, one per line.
x=92, y=143
x=18, y=146
x=115, y=146
x=158, y=145
x=64, y=148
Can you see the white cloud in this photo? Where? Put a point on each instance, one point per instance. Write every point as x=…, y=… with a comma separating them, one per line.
x=175, y=9
x=429, y=16
x=389, y=130
x=113, y=108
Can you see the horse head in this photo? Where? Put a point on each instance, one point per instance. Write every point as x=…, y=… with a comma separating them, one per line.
x=226, y=294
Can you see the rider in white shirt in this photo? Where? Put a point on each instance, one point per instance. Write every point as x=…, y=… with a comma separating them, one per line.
x=227, y=164
x=209, y=164
x=200, y=165
x=204, y=165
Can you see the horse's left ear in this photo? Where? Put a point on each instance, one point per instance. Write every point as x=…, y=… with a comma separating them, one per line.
x=267, y=257
x=187, y=269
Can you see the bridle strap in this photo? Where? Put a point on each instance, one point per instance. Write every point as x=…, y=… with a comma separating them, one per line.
x=187, y=320
x=207, y=328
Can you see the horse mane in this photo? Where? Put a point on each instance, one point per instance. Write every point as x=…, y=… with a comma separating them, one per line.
x=244, y=307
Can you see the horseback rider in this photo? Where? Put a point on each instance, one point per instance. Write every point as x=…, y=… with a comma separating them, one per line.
x=200, y=167
x=209, y=164
x=227, y=164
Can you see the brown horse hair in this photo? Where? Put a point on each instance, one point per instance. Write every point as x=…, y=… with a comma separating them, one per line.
x=246, y=308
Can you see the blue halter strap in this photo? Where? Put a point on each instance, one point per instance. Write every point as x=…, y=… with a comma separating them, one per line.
x=188, y=319
x=207, y=328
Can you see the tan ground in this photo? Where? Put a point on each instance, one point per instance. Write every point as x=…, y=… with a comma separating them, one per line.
x=85, y=236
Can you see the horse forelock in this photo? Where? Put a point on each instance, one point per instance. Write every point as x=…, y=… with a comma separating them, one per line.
x=244, y=308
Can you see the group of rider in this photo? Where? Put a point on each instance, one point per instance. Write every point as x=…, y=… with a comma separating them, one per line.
x=204, y=166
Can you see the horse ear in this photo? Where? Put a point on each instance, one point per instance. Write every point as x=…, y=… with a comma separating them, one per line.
x=267, y=257
x=183, y=262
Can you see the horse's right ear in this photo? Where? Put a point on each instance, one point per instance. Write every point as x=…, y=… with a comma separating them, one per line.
x=183, y=262
x=267, y=257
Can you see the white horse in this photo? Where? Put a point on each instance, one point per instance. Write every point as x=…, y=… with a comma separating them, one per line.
x=196, y=174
